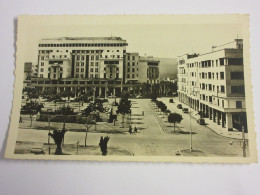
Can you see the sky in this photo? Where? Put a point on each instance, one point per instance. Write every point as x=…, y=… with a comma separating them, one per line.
x=158, y=40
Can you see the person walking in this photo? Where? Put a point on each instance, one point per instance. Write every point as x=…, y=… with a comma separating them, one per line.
x=143, y=113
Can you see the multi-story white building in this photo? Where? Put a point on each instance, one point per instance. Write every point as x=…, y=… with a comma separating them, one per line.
x=214, y=84
x=79, y=64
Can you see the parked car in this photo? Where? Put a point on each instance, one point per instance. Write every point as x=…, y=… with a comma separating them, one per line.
x=201, y=121
x=185, y=110
x=179, y=106
x=171, y=101
x=138, y=96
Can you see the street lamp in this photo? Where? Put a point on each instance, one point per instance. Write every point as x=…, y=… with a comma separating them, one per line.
x=190, y=118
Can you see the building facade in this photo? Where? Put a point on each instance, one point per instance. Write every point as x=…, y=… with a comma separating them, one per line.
x=214, y=84
x=79, y=64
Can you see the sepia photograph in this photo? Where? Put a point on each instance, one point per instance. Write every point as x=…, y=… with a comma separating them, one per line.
x=162, y=88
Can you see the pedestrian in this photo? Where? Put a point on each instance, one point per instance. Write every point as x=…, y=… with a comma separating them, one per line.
x=130, y=130
x=143, y=113
x=20, y=121
x=101, y=142
x=135, y=130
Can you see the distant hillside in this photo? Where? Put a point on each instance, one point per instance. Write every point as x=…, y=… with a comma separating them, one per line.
x=168, y=67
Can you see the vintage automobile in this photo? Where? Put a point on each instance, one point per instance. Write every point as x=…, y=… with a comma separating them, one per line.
x=185, y=110
x=201, y=121
x=179, y=106
x=171, y=101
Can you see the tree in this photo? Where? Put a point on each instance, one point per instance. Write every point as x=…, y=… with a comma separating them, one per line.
x=67, y=94
x=163, y=108
x=51, y=95
x=64, y=111
x=174, y=118
x=124, y=106
x=58, y=137
x=153, y=97
x=87, y=123
x=32, y=108
x=32, y=93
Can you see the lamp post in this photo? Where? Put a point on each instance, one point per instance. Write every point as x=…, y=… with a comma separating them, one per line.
x=190, y=118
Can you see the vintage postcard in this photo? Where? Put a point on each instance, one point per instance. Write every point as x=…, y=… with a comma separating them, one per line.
x=161, y=88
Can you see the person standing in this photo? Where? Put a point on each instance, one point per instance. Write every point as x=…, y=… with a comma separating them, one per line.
x=135, y=130
x=130, y=130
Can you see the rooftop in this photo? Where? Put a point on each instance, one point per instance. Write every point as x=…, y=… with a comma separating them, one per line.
x=85, y=38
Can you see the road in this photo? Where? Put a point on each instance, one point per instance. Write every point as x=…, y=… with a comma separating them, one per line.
x=150, y=140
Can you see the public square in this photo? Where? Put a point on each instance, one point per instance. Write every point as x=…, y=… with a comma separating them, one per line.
x=154, y=137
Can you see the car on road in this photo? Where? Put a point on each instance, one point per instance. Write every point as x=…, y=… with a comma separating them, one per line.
x=138, y=96
x=179, y=106
x=201, y=121
x=171, y=101
x=185, y=110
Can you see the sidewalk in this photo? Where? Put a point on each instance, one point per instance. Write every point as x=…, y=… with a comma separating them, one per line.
x=213, y=126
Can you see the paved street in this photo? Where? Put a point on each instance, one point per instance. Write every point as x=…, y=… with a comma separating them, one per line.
x=151, y=139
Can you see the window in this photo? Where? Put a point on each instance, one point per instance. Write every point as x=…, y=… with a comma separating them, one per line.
x=82, y=69
x=237, y=75
x=49, y=75
x=133, y=70
x=96, y=75
x=92, y=57
x=41, y=75
x=42, y=58
x=133, y=64
x=96, y=63
x=105, y=75
x=235, y=61
x=96, y=69
x=222, y=89
x=209, y=75
x=128, y=76
x=77, y=63
x=82, y=58
x=238, y=104
x=237, y=90
x=221, y=61
x=77, y=69
x=133, y=75
x=223, y=103
x=118, y=56
x=42, y=69
x=210, y=87
x=133, y=57
x=91, y=69
x=60, y=75
x=77, y=57
x=42, y=63
x=210, y=99
x=97, y=57
x=82, y=63
x=128, y=63
x=91, y=63
x=222, y=75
